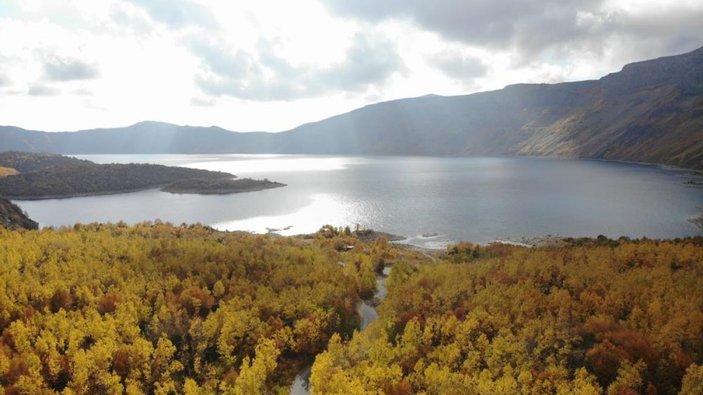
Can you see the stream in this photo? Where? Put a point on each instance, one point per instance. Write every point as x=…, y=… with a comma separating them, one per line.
x=301, y=384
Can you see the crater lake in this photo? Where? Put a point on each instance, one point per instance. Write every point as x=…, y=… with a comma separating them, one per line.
x=431, y=201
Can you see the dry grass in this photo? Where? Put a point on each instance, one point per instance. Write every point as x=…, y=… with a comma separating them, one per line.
x=7, y=171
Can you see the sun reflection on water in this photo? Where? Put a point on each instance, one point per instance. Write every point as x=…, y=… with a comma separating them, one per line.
x=324, y=209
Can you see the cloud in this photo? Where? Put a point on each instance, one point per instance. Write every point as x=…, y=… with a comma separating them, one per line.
x=42, y=90
x=457, y=66
x=69, y=70
x=196, y=101
x=220, y=60
x=263, y=75
x=369, y=60
x=654, y=32
x=482, y=22
x=177, y=13
x=530, y=29
x=82, y=92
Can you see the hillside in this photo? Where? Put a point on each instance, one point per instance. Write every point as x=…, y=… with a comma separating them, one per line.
x=7, y=171
x=26, y=162
x=47, y=176
x=12, y=217
x=651, y=111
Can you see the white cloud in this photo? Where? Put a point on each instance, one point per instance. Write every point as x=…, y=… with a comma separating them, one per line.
x=42, y=90
x=177, y=13
x=58, y=69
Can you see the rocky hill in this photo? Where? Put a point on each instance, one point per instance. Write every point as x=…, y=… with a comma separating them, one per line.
x=12, y=217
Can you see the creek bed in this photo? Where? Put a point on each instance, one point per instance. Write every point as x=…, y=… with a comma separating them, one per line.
x=368, y=314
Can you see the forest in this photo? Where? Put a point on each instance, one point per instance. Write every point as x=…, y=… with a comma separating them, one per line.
x=588, y=317
x=157, y=309
x=91, y=179
x=27, y=162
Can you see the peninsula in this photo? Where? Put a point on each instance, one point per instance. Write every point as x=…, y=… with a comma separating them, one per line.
x=50, y=176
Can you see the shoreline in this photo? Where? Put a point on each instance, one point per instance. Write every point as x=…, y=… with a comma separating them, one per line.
x=193, y=191
x=663, y=166
x=160, y=187
x=86, y=194
x=400, y=241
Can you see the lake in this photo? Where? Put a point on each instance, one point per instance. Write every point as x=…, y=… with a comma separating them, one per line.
x=432, y=201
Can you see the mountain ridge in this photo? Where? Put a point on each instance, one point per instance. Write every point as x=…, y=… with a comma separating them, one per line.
x=650, y=111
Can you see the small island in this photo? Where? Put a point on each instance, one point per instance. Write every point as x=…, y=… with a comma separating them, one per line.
x=49, y=176
x=220, y=186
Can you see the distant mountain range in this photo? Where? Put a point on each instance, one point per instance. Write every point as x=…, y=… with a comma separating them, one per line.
x=651, y=111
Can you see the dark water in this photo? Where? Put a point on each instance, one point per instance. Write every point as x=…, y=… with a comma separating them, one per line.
x=445, y=199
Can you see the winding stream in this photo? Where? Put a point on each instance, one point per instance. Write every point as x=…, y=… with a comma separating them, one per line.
x=367, y=311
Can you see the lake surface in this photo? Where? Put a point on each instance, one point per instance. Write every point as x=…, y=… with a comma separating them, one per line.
x=444, y=199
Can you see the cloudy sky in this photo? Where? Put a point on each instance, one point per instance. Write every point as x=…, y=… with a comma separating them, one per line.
x=272, y=65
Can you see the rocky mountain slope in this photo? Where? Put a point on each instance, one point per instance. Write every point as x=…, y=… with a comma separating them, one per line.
x=12, y=217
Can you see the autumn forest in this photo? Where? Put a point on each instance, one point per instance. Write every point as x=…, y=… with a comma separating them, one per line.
x=158, y=309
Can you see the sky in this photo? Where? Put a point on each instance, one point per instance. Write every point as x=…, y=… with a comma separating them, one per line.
x=265, y=65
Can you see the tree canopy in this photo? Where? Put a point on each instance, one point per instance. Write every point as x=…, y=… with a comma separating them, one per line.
x=157, y=308
x=592, y=317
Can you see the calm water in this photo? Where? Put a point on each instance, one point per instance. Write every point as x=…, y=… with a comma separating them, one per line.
x=445, y=199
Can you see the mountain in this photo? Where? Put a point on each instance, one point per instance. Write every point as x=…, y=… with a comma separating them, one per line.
x=142, y=138
x=650, y=111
